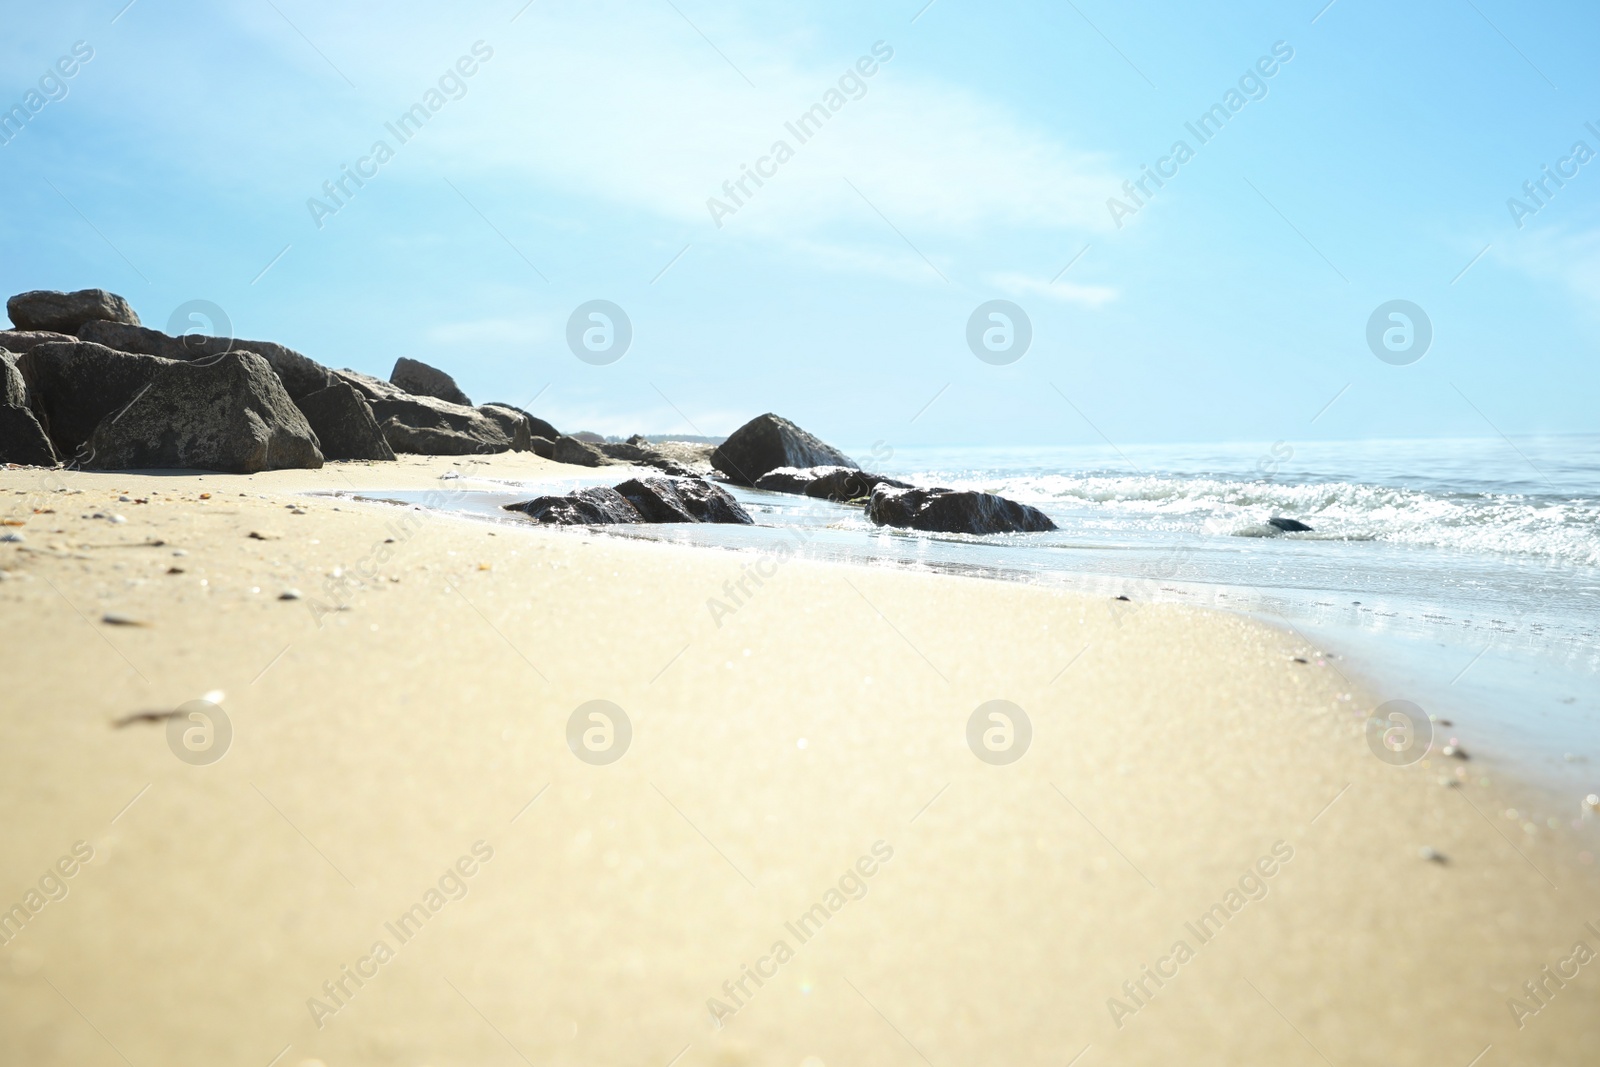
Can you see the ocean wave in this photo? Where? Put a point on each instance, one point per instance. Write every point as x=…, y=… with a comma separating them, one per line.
x=1559, y=528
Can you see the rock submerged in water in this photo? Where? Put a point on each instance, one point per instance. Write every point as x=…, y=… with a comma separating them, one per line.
x=22, y=439
x=419, y=379
x=953, y=511
x=1289, y=525
x=638, y=500
x=1273, y=527
x=826, y=483
x=59, y=312
x=768, y=442
x=228, y=413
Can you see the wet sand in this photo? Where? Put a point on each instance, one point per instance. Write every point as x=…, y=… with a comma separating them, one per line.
x=798, y=774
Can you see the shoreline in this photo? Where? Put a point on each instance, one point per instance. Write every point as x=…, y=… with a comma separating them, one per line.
x=368, y=753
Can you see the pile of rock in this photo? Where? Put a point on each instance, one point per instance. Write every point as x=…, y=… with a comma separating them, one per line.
x=637, y=500
x=84, y=382
x=772, y=453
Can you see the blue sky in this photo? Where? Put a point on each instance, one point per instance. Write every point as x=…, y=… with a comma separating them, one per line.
x=577, y=162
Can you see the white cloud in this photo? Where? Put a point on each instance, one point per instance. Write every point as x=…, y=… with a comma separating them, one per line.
x=1090, y=296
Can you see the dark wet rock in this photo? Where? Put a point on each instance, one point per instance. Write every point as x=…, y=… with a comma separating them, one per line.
x=536, y=426
x=826, y=483
x=953, y=511
x=344, y=423
x=22, y=439
x=543, y=447
x=682, y=500
x=513, y=422
x=580, y=453
x=594, y=506
x=300, y=374
x=1289, y=525
x=425, y=425
x=65, y=312
x=74, y=385
x=419, y=379
x=227, y=413
x=768, y=442
x=19, y=341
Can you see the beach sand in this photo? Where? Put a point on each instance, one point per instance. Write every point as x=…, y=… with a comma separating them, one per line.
x=779, y=753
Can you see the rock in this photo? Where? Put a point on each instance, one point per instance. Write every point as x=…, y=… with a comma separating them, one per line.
x=65, y=312
x=826, y=483
x=1289, y=525
x=426, y=425
x=513, y=422
x=628, y=452
x=419, y=379
x=588, y=437
x=536, y=426
x=344, y=424
x=768, y=442
x=74, y=385
x=20, y=341
x=644, y=456
x=543, y=447
x=22, y=439
x=300, y=374
x=227, y=413
x=594, y=506
x=682, y=500
x=953, y=511
x=571, y=450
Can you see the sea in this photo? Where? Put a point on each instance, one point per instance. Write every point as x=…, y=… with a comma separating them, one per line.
x=1460, y=575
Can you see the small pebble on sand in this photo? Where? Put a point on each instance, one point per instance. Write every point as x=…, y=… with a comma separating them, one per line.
x=289, y=594
x=1432, y=855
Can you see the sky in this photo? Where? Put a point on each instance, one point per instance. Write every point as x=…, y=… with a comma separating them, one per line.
x=984, y=158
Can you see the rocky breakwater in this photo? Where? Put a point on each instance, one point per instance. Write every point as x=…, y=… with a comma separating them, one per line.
x=773, y=454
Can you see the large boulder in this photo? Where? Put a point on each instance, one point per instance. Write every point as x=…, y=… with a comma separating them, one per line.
x=419, y=379
x=682, y=500
x=227, y=413
x=826, y=483
x=19, y=341
x=768, y=442
x=542, y=447
x=513, y=422
x=22, y=439
x=300, y=374
x=595, y=506
x=75, y=384
x=425, y=425
x=344, y=423
x=536, y=426
x=571, y=450
x=953, y=511
x=65, y=312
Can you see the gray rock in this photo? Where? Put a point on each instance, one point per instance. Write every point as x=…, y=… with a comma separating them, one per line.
x=344, y=424
x=571, y=450
x=426, y=425
x=65, y=312
x=300, y=374
x=594, y=506
x=826, y=483
x=20, y=341
x=513, y=422
x=767, y=442
x=682, y=500
x=543, y=447
x=74, y=385
x=536, y=426
x=1289, y=525
x=953, y=511
x=227, y=413
x=644, y=456
x=419, y=379
x=22, y=439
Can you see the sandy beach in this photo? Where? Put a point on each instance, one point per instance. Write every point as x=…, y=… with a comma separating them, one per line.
x=797, y=860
